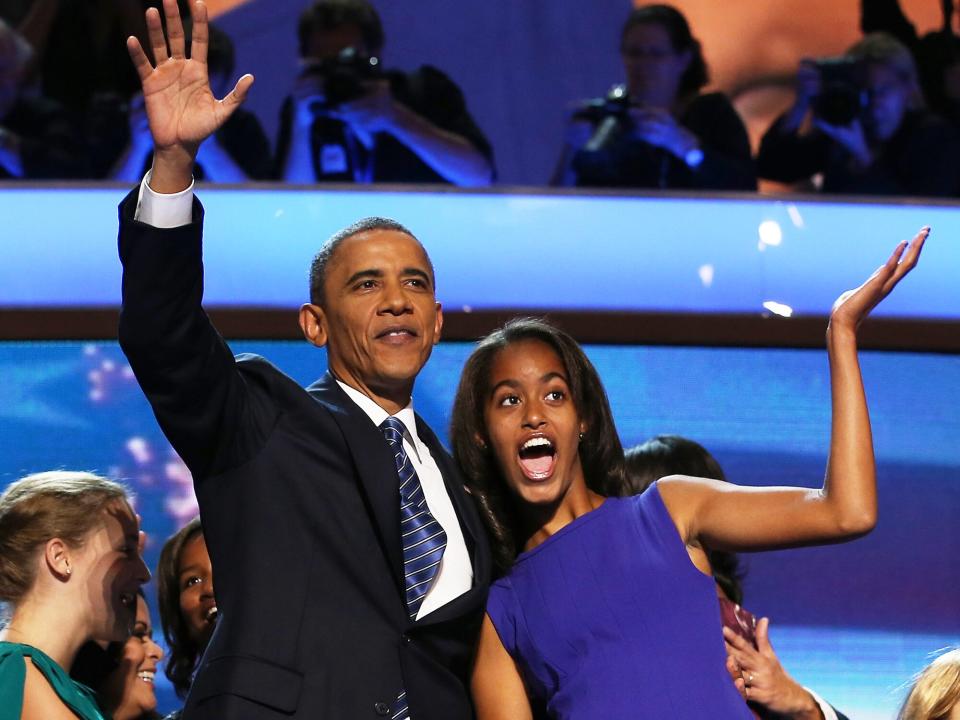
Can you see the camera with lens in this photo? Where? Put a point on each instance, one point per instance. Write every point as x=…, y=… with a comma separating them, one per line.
x=342, y=78
x=842, y=96
x=615, y=103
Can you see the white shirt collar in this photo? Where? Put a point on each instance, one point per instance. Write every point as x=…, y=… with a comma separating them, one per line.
x=377, y=414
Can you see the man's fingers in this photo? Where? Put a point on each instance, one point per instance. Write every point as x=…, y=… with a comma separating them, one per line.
x=174, y=29
x=201, y=34
x=140, y=61
x=155, y=33
x=236, y=96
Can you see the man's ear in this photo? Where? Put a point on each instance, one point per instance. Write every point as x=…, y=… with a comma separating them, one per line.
x=57, y=556
x=313, y=322
x=438, y=326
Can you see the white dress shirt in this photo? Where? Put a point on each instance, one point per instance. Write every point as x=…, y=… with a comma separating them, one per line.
x=455, y=575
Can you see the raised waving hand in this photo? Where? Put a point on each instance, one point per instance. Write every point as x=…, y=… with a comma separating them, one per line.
x=181, y=109
x=854, y=305
x=727, y=517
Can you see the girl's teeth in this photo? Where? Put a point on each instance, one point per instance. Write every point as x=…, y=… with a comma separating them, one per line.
x=146, y=676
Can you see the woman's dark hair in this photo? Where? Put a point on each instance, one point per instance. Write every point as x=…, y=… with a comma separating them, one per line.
x=674, y=455
x=601, y=454
x=184, y=651
x=682, y=40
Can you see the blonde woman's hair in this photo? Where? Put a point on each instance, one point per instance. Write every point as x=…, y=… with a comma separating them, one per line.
x=34, y=509
x=936, y=690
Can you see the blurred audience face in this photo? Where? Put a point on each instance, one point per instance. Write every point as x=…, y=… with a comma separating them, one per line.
x=327, y=43
x=652, y=65
x=889, y=99
x=197, y=603
x=111, y=570
x=129, y=689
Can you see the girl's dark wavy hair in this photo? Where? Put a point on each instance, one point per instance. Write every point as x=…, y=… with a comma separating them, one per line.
x=682, y=40
x=184, y=652
x=601, y=454
x=675, y=455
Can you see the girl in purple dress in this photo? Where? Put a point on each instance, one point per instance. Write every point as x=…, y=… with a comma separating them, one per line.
x=599, y=612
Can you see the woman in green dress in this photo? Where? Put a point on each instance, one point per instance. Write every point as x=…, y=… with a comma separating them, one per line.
x=70, y=568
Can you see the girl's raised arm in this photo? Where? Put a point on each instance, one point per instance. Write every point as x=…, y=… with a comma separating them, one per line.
x=723, y=516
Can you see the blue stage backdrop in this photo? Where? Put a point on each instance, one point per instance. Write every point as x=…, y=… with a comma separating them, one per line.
x=851, y=621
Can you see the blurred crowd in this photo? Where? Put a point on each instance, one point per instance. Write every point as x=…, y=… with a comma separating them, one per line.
x=881, y=119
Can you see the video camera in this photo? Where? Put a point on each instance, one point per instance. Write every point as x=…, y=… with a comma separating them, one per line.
x=342, y=78
x=842, y=96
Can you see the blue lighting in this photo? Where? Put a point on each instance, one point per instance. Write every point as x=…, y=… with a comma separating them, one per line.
x=508, y=250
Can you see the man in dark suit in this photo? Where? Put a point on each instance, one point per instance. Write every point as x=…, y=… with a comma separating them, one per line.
x=351, y=568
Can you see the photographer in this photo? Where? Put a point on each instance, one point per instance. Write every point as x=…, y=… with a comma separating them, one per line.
x=347, y=120
x=862, y=124
x=658, y=130
x=37, y=138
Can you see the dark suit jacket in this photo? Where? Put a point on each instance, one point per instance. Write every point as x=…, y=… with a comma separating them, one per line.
x=298, y=496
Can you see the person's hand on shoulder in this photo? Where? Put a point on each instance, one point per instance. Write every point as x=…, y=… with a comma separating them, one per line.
x=765, y=682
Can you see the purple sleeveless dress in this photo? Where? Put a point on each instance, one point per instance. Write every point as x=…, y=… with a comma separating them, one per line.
x=608, y=618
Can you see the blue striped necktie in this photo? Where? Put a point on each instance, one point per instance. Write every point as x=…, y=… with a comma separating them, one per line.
x=422, y=536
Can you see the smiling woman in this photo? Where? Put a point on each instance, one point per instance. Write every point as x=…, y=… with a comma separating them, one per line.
x=123, y=673
x=70, y=568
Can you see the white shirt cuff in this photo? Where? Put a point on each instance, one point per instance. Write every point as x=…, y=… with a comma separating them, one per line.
x=828, y=712
x=164, y=211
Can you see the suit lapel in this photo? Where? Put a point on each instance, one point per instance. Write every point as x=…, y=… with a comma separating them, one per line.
x=375, y=465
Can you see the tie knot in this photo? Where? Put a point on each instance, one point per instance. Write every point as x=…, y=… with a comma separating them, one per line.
x=393, y=429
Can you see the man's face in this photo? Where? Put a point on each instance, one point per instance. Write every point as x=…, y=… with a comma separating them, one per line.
x=381, y=319
x=328, y=43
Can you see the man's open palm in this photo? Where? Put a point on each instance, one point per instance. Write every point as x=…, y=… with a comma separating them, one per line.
x=181, y=108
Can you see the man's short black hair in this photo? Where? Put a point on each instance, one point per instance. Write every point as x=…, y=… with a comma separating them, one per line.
x=330, y=14
x=318, y=268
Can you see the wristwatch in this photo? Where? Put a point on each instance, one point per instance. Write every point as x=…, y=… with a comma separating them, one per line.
x=693, y=157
